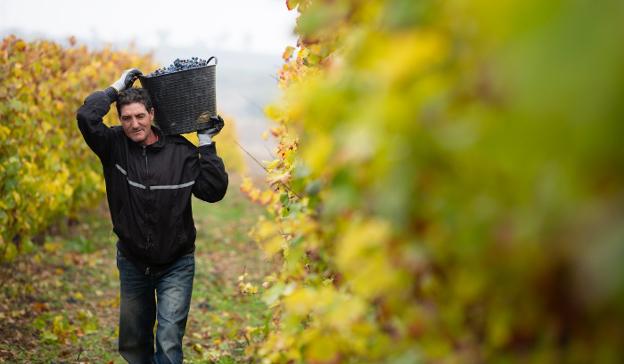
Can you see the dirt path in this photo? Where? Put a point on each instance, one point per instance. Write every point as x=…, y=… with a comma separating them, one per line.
x=59, y=303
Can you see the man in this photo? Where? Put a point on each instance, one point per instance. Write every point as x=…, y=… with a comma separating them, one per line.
x=149, y=180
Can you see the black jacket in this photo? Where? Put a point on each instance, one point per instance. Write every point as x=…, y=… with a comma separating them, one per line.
x=149, y=188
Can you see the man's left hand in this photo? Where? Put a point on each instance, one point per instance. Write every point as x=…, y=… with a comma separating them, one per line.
x=216, y=124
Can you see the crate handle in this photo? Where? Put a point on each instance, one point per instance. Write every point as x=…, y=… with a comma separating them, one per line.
x=210, y=59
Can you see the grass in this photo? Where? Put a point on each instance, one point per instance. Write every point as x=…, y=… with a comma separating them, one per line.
x=59, y=303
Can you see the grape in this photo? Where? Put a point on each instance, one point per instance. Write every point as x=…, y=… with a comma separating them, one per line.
x=180, y=65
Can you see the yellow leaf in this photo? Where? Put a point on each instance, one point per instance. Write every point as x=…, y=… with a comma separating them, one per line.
x=16, y=197
x=281, y=178
x=322, y=349
x=304, y=300
x=317, y=155
x=291, y=4
x=198, y=348
x=359, y=240
x=288, y=52
x=10, y=252
x=362, y=255
x=59, y=106
x=346, y=310
x=51, y=247
x=272, y=245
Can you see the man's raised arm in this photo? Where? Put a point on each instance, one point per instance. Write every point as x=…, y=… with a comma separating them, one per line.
x=90, y=114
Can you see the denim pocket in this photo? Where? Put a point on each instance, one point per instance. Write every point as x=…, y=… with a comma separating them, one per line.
x=121, y=259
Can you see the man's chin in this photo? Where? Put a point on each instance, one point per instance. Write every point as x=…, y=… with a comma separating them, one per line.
x=138, y=138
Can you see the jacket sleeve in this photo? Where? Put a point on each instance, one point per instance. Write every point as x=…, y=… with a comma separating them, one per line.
x=97, y=135
x=212, y=181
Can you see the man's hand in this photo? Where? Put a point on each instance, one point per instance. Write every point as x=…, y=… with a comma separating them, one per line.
x=126, y=80
x=216, y=123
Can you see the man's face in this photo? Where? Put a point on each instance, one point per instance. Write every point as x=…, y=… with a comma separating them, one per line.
x=136, y=121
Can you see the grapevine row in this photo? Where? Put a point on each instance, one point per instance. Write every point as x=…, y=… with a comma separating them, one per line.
x=448, y=184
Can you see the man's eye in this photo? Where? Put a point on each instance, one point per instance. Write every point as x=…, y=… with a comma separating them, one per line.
x=141, y=116
x=125, y=118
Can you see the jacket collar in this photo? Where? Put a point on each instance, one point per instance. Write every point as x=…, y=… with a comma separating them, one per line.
x=161, y=138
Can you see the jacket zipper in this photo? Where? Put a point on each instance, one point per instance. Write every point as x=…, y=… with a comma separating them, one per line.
x=148, y=188
x=146, y=165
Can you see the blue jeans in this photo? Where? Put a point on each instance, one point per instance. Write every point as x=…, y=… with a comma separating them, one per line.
x=140, y=307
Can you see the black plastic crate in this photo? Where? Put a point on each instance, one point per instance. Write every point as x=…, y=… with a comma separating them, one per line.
x=184, y=100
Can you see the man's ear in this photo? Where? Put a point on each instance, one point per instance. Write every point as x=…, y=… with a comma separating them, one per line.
x=151, y=114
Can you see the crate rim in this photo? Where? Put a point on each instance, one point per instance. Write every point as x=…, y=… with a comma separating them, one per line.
x=188, y=69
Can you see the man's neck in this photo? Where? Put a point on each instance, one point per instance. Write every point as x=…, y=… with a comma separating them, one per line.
x=151, y=139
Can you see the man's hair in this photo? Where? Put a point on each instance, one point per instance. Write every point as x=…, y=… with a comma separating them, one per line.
x=132, y=95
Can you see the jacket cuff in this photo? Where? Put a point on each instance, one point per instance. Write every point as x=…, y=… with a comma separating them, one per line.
x=111, y=93
x=208, y=148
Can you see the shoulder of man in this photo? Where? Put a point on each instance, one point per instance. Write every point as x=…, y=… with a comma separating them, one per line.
x=181, y=140
x=118, y=130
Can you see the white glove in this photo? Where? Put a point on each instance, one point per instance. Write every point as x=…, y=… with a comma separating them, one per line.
x=205, y=136
x=204, y=139
x=126, y=80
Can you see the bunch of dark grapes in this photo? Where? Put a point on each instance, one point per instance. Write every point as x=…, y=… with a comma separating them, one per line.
x=180, y=65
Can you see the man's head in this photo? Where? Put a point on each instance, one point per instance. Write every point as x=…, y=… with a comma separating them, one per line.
x=136, y=114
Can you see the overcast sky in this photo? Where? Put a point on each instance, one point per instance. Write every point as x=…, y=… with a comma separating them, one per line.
x=263, y=26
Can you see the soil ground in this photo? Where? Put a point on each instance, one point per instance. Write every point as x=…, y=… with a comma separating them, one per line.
x=60, y=302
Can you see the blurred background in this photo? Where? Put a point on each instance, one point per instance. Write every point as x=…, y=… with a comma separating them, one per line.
x=247, y=37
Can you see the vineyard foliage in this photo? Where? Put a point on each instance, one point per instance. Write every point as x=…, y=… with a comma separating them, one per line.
x=449, y=185
x=47, y=171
